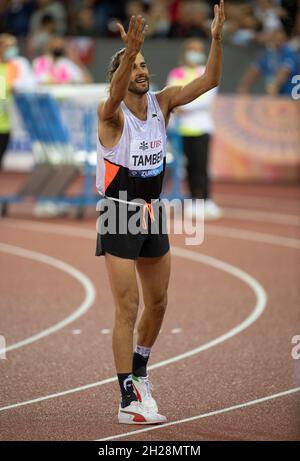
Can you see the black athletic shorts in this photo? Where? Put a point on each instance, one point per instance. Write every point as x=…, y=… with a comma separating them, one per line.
x=147, y=238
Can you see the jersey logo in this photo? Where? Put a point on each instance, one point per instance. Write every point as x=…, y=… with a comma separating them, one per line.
x=143, y=145
x=155, y=115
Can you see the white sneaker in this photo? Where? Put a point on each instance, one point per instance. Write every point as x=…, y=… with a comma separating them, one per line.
x=136, y=413
x=212, y=210
x=48, y=209
x=143, y=387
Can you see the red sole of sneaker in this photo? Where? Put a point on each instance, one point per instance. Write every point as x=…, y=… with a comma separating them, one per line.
x=139, y=424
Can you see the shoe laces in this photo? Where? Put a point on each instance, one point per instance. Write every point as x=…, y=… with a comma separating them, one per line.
x=140, y=406
x=148, y=386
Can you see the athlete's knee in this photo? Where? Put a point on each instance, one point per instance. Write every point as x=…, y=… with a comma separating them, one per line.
x=158, y=305
x=127, y=311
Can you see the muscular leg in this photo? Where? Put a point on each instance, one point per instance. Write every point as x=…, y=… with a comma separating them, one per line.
x=154, y=274
x=124, y=287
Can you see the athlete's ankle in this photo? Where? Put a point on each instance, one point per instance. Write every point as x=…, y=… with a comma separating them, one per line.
x=125, y=401
x=139, y=360
x=126, y=387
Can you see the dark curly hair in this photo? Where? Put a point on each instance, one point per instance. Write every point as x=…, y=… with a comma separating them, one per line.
x=114, y=64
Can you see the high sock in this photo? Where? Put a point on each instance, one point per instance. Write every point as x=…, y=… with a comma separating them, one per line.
x=140, y=360
x=127, y=391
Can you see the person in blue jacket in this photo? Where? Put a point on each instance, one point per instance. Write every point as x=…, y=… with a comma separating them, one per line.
x=277, y=65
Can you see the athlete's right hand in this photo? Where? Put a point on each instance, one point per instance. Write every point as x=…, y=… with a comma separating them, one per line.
x=135, y=36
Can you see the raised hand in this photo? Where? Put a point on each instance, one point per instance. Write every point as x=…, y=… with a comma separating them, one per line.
x=218, y=21
x=135, y=36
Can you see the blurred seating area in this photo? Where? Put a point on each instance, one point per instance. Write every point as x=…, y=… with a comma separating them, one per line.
x=248, y=21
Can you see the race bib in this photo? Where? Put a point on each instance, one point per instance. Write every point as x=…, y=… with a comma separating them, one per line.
x=146, y=157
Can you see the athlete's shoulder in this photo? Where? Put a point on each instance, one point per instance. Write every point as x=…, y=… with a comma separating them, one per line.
x=163, y=96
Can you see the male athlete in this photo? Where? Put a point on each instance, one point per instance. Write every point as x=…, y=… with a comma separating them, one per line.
x=131, y=160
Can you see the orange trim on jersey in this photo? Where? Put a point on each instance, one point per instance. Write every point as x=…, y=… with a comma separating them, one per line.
x=111, y=171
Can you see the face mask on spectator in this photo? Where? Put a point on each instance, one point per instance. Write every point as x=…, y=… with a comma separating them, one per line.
x=195, y=57
x=58, y=52
x=11, y=53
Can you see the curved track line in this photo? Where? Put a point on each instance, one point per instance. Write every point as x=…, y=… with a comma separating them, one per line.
x=223, y=231
x=252, y=236
x=261, y=299
x=206, y=415
x=90, y=292
x=261, y=216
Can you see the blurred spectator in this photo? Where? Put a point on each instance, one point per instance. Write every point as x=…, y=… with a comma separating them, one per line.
x=174, y=18
x=85, y=24
x=241, y=25
x=199, y=24
x=180, y=25
x=24, y=76
x=16, y=16
x=84, y=47
x=159, y=20
x=294, y=41
x=38, y=42
x=133, y=8
x=269, y=14
x=292, y=9
x=277, y=65
x=104, y=10
x=192, y=20
x=56, y=9
x=8, y=75
x=61, y=64
x=196, y=126
x=174, y=10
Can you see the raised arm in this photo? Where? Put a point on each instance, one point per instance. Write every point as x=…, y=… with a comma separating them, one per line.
x=133, y=41
x=180, y=95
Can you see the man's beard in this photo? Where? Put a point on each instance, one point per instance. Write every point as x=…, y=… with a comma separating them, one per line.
x=136, y=88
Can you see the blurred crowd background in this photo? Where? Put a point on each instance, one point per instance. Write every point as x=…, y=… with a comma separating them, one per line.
x=51, y=42
x=78, y=30
x=247, y=20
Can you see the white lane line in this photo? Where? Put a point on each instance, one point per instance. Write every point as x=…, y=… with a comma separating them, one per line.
x=176, y=331
x=76, y=332
x=262, y=216
x=252, y=236
x=89, y=289
x=205, y=415
x=59, y=229
x=60, y=394
x=217, y=230
x=259, y=202
x=261, y=299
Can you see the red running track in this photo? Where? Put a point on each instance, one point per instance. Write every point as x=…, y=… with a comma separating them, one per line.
x=222, y=367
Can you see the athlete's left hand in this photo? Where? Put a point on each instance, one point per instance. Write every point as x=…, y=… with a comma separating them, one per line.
x=218, y=21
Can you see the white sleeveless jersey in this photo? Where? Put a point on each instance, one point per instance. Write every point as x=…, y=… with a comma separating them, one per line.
x=136, y=164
